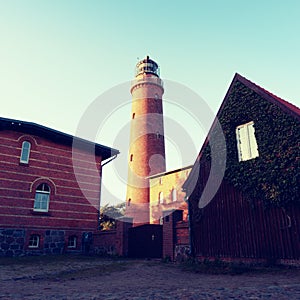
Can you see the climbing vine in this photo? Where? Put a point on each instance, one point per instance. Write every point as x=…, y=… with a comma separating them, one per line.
x=273, y=176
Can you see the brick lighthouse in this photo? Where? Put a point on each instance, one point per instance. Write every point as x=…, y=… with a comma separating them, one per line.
x=146, y=155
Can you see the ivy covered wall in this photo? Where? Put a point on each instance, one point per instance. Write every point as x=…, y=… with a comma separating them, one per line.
x=273, y=177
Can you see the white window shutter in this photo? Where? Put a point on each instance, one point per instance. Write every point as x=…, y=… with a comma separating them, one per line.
x=246, y=142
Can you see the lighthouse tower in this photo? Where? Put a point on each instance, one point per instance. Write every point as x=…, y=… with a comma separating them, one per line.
x=146, y=155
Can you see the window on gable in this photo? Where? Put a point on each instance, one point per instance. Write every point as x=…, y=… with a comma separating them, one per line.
x=42, y=196
x=246, y=142
x=72, y=241
x=174, y=194
x=24, y=158
x=34, y=241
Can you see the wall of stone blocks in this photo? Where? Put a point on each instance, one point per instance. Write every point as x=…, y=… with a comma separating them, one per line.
x=12, y=242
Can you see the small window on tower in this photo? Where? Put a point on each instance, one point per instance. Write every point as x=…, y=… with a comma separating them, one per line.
x=133, y=115
x=131, y=157
x=157, y=135
x=155, y=96
x=128, y=203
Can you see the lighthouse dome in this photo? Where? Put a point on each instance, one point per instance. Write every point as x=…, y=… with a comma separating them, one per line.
x=147, y=66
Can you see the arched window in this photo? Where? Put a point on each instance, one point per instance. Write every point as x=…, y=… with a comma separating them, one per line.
x=128, y=202
x=24, y=158
x=161, y=197
x=34, y=241
x=72, y=241
x=42, y=196
x=133, y=115
x=131, y=157
x=174, y=195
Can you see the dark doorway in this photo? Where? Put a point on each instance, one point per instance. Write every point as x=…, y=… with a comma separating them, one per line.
x=145, y=241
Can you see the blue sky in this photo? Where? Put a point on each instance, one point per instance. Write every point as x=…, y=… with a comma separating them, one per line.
x=57, y=57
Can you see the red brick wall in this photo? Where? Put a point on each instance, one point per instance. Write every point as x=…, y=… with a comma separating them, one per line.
x=113, y=241
x=50, y=163
x=105, y=242
x=182, y=233
x=170, y=220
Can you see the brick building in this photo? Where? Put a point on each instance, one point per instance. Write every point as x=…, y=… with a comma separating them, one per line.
x=46, y=206
x=166, y=193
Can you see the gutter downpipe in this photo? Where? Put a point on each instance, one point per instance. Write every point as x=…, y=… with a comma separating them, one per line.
x=186, y=199
x=191, y=232
x=102, y=165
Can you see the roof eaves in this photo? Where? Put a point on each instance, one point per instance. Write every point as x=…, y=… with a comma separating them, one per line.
x=57, y=136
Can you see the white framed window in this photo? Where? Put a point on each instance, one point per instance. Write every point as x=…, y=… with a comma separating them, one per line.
x=72, y=241
x=174, y=194
x=42, y=196
x=24, y=158
x=246, y=141
x=161, y=197
x=34, y=241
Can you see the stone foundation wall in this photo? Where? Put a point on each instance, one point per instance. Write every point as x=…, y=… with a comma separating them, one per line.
x=12, y=242
x=54, y=242
x=15, y=242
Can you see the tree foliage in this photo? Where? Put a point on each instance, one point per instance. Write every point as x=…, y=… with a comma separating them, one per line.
x=109, y=214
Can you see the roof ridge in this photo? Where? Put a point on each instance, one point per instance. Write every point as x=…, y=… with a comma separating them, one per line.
x=286, y=103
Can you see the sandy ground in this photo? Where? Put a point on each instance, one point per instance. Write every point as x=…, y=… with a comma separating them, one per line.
x=105, y=279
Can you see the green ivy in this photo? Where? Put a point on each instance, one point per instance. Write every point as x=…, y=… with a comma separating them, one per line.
x=273, y=177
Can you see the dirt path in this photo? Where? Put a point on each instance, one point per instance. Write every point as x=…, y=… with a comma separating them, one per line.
x=104, y=279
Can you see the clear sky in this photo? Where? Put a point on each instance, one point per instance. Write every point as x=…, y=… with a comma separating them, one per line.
x=57, y=57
